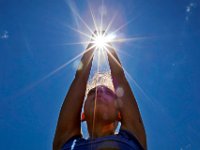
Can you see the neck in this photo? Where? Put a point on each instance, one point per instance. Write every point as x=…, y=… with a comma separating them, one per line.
x=100, y=130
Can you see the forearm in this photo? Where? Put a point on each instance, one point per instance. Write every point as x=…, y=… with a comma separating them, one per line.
x=120, y=80
x=69, y=119
x=75, y=96
x=116, y=68
x=76, y=93
x=85, y=64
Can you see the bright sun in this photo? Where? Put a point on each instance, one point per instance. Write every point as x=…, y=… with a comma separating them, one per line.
x=102, y=35
x=101, y=40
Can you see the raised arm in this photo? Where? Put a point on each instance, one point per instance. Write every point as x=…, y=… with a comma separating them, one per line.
x=131, y=118
x=69, y=123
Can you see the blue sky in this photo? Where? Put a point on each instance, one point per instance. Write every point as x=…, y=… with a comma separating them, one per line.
x=164, y=63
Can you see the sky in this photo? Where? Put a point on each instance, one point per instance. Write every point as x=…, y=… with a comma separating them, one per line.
x=36, y=66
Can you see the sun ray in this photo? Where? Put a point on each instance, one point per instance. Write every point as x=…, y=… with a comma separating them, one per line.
x=93, y=18
x=124, y=25
x=55, y=71
x=95, y=36
x=84, y=23
x=120, y=51
x=101, y=24
x=130, y=39
x=91, y=58
x=78, y=31
x=116, y=61
x=134, y=81
x=120, y=40
x=153, y=102
x=95, y=100
x=136, y=84
x=101, y=50
x=104, y=58
x=77, y=43
x=24, y=90
x=124, y=53
x=110, y=23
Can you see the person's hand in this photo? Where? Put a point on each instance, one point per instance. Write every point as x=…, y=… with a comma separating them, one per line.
x=98, y=33
x=100, y=39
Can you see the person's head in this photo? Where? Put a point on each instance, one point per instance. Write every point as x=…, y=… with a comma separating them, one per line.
x=101, y=103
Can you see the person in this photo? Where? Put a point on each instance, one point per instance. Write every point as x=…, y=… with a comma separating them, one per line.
x=103, y=110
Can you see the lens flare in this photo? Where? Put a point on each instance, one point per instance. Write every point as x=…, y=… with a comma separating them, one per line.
x=101, y=40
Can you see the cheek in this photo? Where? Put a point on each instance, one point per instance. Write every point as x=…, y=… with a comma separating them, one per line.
x=111, y=101
x=110, y=106
x=88, y=101
x=88, y=108
x=113, y=106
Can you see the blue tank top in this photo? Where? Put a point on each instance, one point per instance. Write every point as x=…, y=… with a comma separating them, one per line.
x=124, y=140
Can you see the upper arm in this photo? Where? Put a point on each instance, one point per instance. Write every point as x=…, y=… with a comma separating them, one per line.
x=131, y=117
x=69, y=123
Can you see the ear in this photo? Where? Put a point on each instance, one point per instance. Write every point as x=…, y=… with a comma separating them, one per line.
x=82, y=117
x=119, y=117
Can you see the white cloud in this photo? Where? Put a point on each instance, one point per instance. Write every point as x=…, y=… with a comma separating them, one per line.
x=4, y=35
x=189, y=9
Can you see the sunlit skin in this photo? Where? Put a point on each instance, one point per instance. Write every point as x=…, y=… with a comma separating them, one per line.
x=101, y=108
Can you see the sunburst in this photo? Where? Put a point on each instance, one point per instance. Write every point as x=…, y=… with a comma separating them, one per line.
x=100, y=36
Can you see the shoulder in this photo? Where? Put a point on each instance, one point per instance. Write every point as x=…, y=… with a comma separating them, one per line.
x=72, y=141
x=127, y=135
